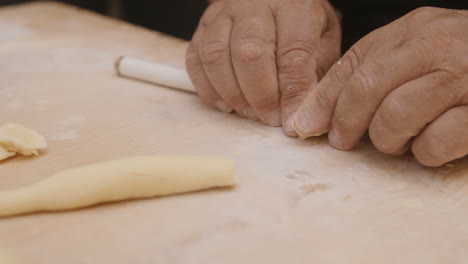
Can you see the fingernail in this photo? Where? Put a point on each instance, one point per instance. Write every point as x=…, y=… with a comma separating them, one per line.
x=273, y=119
x=335, y=139
x=250, y=113
x=301, y=122
x=289, y=128
x=223, y=107
x=302, y=125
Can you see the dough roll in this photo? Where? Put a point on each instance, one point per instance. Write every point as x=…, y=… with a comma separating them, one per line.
x=116, y=180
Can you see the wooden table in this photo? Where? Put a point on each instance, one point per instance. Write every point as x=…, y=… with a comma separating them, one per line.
x=298, y=201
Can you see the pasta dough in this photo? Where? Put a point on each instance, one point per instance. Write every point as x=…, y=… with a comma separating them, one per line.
x=5, y=154
x=15, y=139
x=115, y=180
x=6, y=258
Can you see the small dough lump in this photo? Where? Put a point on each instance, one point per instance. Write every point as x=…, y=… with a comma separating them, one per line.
x=5, y=154
x=17, y=139
x=7, y=258
x=116, y=180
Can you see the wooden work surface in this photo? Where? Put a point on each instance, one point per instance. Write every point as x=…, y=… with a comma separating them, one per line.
x=297, y=202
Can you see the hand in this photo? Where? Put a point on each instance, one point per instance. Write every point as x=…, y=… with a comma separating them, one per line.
x=261, y=57
x=407, y=83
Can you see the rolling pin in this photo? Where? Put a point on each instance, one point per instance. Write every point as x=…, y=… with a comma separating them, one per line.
x=160, y=74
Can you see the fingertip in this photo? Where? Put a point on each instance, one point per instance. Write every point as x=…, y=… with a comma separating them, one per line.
x=338, y=140
x=423, y=154
x=300, y=122
x=292, y=134
x=250, y=113
x=273, y=119
x=288, y=126
x=428, y=162
x=223, y=107
x=335, y=139
x=303, y=126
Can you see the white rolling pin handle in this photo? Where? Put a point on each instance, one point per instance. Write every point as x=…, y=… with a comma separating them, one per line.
x=154, y=73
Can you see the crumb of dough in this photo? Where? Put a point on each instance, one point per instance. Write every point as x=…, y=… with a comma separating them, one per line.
x=5, y=154
x=17, y=139
x=6, y=258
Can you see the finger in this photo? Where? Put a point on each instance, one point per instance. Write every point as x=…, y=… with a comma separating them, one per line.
x=215, y=56
x=253, y=56
x=369, y=84
x=199, y=79
x=328, y=53
x=314, y=116
x=406, y=111
x=330, y=46
x=300, y=25
x=443, y=140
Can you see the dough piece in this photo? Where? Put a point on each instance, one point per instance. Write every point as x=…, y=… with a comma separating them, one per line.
x=5, y=154
x=116, y=180
x=6, y=258
x=18, y=139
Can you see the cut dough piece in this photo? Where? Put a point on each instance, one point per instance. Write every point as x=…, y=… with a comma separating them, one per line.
x=5, y=154
x=19, y=139
x=115, y=180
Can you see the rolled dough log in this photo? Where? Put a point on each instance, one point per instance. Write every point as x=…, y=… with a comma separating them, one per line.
x=115, y=180
x=15, y=138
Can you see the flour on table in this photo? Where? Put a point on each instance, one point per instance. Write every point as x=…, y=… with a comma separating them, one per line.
x=15, y=104
x=72, y=120
x=66, y=128
x=64, y=135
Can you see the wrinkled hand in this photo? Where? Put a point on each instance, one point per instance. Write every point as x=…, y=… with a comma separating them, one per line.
x=260, y=58
x=407, y=83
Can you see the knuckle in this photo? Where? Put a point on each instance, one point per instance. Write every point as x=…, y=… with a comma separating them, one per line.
x=362, y=84
x=294, y=73
x=392, y=114
x=423, y=14
x=293, y=59
x=451, y=21
x=249, y=49
x=214, y=53
x=347, y=65
x=210, y=13
x=323, y=99
x=294, y=68
x=294, y=83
